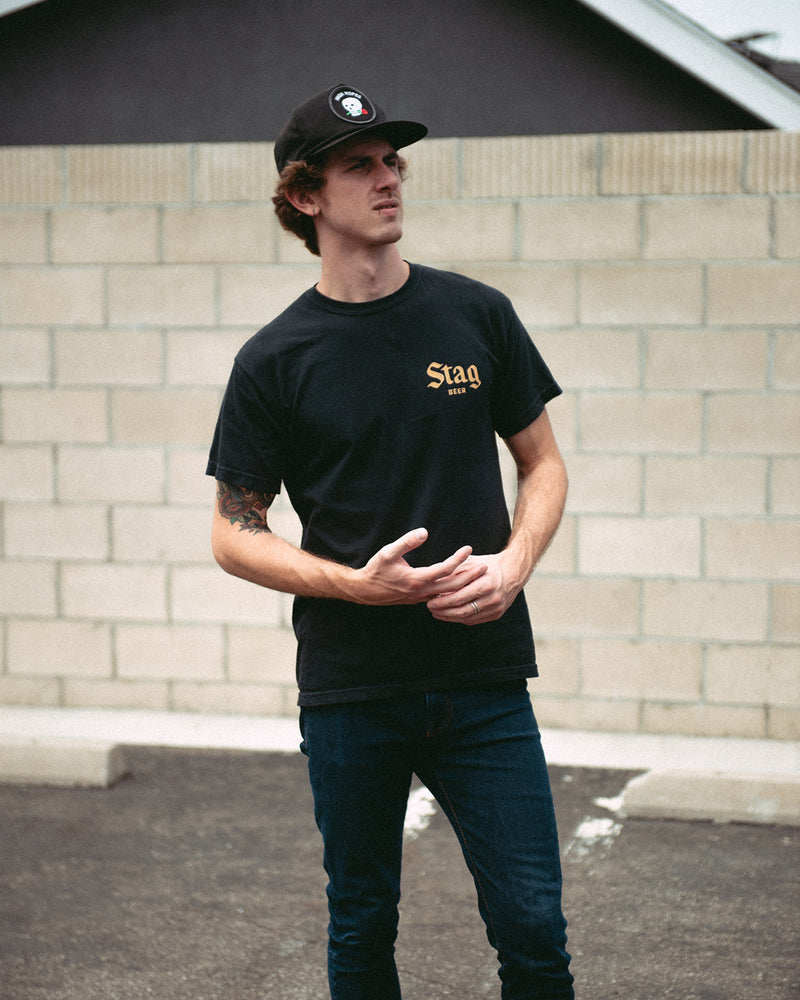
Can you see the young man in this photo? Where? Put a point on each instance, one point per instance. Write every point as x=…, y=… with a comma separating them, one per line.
x=376, y=399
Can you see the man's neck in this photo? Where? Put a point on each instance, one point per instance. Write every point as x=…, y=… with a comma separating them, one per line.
x=363, y=277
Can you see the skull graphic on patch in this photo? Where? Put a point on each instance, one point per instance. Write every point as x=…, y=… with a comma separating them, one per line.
x=351, y=106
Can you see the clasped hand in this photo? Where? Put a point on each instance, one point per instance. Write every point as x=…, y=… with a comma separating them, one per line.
x=463, y=588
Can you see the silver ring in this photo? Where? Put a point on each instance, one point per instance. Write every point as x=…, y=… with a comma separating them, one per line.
x=475, y=609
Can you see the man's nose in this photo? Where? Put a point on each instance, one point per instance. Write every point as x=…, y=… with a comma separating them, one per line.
x=388, y=177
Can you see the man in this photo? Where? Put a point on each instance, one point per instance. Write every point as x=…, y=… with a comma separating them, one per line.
x=376, y=399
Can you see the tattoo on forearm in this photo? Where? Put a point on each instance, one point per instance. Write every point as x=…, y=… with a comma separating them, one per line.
x=247, y=508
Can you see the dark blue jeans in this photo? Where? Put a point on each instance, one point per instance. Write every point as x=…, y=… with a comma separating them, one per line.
x=480, y=754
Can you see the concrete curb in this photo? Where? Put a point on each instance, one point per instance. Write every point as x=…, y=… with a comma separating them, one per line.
x=729, y=780
x=64, y=763
x=723, y=797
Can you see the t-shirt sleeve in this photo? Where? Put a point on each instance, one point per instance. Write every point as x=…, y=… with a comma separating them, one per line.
x=249, y=440
x=524, y=384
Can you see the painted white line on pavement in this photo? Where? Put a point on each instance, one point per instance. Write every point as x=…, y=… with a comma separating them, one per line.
x=421, y=809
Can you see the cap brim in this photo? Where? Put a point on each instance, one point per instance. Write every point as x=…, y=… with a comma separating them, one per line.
x=399, y=133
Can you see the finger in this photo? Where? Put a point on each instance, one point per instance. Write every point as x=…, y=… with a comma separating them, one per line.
x=406, y=543
x=454, y=590
x=451, y=573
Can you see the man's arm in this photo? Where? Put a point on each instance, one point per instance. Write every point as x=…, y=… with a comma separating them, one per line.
x=244, y=546
x=541, y=494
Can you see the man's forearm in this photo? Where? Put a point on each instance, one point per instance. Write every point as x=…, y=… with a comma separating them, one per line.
x=244, y=546
x=268, y=560
x=541, y=495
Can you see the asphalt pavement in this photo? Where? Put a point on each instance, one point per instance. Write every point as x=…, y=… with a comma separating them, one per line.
x=198, y=876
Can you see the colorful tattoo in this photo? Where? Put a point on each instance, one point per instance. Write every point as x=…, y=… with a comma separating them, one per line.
x=247, y=508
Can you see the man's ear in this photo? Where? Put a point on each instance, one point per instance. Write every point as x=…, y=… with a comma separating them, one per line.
x=303, y=201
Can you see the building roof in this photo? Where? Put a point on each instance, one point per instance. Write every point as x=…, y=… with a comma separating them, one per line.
x=85, y=71
x=724, y=68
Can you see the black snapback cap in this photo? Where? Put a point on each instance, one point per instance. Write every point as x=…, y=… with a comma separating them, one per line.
x=333, y=116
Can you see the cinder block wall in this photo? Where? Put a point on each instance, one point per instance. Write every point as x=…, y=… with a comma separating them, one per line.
x=660, y=276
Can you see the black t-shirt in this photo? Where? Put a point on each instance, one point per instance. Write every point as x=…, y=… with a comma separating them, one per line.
x=380, y=417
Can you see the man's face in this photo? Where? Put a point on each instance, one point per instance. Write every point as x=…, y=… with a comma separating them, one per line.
x=360, y=204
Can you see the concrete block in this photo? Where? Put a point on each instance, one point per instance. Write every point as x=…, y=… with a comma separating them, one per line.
x=673, y=163
x=594, y=715
x=530, y=166
x=756, y=550
x=785, y=612
x=107, y=591
x=580, y=229
x=773, y=162
x=755, y=424
x=707, y=359
x=23, y=236
x=219, y=234
x=111, y=474
x=609, y=484
x=164, y=416
x=433, y=170
x=150, y=695
x=28, y=587
x=234, y=171
x=630, y=294
x=787, y=227
x=30, y=691
x=568, y=607
x=699, y=609
x=202, y=357
x=252, y=296
x=261, y=655
x=761, y=675
x=145, y=533
x=460, y=231
x=50, y=295
x=26, y=472
x=706, y=484
x=559, y=662
x=67, y=416
x=207, y=594
x=631, y=669
x=234, y=699
x=26, y=355
x=111, y=174
x=56, y=531
x=75, y=763
x=182, y=652
x=784, y=724
x=592, y=359
x=787, y=358
x=720, y=721
x=707, y=228
x=164, y=295
x=59, y=648
x=30, y=175
x=186, y=478
x=544, y=295
x=640, y=546
x=121, y=235
x=747, y=294
x=723, y=797
x=108, y=357
x=642, y=422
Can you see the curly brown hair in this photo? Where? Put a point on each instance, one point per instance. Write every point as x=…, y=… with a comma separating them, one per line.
x=305, y=177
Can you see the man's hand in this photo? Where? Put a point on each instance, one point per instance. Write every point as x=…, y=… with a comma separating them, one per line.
x=388, y=578
x=475, y=600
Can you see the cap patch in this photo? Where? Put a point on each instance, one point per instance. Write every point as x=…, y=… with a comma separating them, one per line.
x=351, y=106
